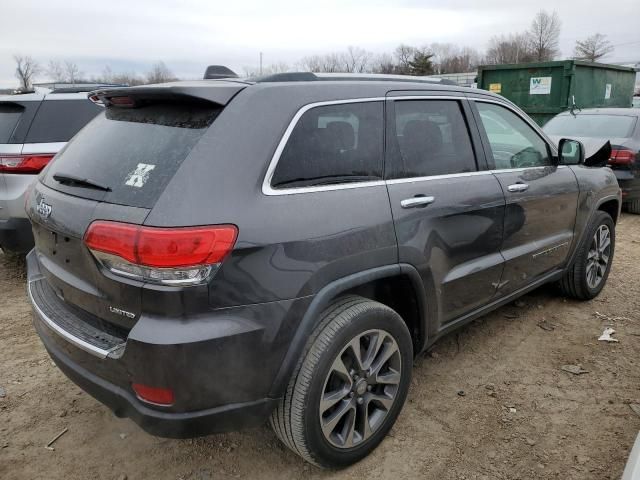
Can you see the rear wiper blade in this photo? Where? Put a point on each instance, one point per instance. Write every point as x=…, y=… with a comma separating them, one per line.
x=68, y=179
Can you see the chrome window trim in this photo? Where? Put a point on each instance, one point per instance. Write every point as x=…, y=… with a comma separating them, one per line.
x=267, y=189
x=395, y=181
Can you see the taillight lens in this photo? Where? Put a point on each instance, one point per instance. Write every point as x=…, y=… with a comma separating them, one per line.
x=172, y=256
x=162, y=397
x=24, y=163
x=622, y=156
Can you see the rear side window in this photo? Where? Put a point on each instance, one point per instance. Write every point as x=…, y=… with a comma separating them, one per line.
x=333, y=144
x=59, y=120
x=133, y=151
x=10, y=114
x=433, y=138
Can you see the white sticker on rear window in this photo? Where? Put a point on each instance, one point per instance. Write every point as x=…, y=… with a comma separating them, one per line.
x=139, y=176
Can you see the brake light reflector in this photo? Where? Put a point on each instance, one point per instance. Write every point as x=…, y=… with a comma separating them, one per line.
x=163, y=397
x=24, y=163
x=185, y=255
x=622, y=156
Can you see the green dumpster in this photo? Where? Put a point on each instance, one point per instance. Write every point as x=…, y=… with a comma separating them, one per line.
x=548, y=88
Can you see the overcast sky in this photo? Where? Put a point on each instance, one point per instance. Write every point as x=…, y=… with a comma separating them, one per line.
x=190, y=34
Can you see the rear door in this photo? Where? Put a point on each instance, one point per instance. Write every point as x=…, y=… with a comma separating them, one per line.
x=541, y=197
x=448, y=212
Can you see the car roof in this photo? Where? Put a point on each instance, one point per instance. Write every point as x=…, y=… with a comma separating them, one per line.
x=626, y=111
x=332, y=86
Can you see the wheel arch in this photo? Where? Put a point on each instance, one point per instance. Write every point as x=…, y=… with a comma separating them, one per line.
x=377, y=284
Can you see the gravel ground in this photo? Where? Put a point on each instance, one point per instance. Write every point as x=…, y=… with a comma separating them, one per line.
x=489, y=402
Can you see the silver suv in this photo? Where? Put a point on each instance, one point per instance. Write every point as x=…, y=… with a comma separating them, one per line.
x=33, y=128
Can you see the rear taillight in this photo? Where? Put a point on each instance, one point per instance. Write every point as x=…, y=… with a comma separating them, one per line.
x=24, y=163
x=622, y=156
x=171, y=256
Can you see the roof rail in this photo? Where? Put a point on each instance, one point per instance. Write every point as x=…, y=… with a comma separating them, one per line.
x=371, y=77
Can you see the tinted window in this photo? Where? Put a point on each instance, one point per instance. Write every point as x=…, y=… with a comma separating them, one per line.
x=588, y=125
x=333, y=144
x=514, y=144
x=59, y=120
x=133, y=151
x=433, y=138
x=9, y=116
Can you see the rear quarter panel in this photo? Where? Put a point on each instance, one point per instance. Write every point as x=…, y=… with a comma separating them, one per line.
x=289, y=246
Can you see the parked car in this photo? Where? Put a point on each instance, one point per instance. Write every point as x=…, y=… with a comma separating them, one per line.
x=216, y=253
x=619, y=125
x=33, y=128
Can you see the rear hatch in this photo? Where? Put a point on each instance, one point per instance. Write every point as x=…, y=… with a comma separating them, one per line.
x=115, y=169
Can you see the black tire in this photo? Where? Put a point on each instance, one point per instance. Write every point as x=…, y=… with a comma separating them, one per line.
x=575, y=283
x=633, y=206
x=297, y=419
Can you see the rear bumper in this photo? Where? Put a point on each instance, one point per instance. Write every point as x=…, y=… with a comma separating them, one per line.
x=16, y=235
x=220, y=367
x=630, y=188
x=164, y=424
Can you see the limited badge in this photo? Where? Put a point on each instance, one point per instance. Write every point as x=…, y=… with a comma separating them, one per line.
x=139, y=176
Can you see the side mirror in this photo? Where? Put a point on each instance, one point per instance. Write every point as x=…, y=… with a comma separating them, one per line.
x=570, y=152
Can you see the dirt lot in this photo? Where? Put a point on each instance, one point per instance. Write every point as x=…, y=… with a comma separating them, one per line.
x=490, y=402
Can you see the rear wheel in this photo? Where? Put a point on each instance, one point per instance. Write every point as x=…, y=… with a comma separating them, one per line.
x=349, y=386
x=586, y=278
x=633, y=206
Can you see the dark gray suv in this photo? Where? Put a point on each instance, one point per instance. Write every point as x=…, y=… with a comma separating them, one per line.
x=216, y=253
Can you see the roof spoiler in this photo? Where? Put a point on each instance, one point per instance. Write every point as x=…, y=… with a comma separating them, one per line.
x=219, y=93
x=216, y=72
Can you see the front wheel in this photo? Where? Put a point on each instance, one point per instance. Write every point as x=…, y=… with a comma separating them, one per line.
x=349, y=386
x=586, y=278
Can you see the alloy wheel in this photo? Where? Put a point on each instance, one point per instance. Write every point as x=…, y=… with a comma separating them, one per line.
x=360, y=389
x=598, y=256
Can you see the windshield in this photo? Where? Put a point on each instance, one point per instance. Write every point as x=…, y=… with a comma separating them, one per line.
x=131, y=154
x=591, y=125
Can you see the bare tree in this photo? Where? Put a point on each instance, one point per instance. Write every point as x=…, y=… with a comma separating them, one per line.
x=26, y=69
x=55, y=70
x=159, y=73
x=383, y=63
x=330, y=63
x=404, y=55
x=512, y=48
x=126, y=78
x=593, y=48
x=72, y=73
x=355, y=60
x=449, y=58
x=543, y=35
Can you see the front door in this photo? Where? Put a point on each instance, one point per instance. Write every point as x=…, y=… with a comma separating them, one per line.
x=541, y=197
x=448, y=214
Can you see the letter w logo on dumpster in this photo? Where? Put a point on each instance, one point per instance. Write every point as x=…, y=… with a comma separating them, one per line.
x=540, y=86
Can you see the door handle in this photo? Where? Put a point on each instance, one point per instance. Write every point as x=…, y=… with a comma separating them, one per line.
x=415, y=202
x=518, y=187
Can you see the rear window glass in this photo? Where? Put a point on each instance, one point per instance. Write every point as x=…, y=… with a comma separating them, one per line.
x=59, y=120
x=591, y=126
x=10, y=114
x=134, y=152
x=333, y=144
